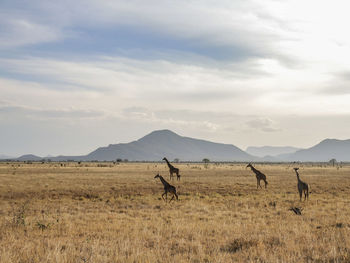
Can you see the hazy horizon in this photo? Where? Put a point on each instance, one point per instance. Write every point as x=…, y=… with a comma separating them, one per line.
x=81, y=75
x=182, y=135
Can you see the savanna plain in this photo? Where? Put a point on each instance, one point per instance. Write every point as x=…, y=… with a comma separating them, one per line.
x=106, y=212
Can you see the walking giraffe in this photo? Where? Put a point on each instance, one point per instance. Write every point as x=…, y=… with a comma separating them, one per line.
x=259, y=176
x=302, y=186
x=172, y=169
x=168, y=188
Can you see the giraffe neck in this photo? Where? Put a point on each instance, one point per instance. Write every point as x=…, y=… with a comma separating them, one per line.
x=297, y=176
x=254, y=170
x=168, y=162
x=165, y=183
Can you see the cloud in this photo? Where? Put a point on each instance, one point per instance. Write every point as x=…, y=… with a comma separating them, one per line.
x=290, y=32
x=20, y=32
x=139, y=113
x=263, y=124
x=211, y=121
x=337, y=85
x=232, y=31
x=130, y=80
x=166, y=118
x=159, y=84
x=222, y=31
x=10, y=111
x=60, y=73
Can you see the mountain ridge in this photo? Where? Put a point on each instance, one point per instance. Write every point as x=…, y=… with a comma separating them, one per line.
x=157, y=144
x=324, y=151
x=160, y=143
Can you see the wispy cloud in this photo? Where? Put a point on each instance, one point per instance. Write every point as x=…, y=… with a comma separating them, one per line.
x=132, y=79
x=11, y=111
x=167, y=119
x=20, y=32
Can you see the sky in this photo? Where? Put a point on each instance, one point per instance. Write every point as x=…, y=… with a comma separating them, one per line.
x=77, y=75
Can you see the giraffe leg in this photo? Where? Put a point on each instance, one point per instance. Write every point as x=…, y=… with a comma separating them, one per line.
x=172, y=198
x=163, y=196
x=177, y=198
x=306, y=195
x=300, y=194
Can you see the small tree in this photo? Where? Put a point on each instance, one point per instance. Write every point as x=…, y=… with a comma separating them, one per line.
x=206, y=161
x=176, y=160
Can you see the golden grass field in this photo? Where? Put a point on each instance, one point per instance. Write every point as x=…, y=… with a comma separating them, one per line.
x=105, y=212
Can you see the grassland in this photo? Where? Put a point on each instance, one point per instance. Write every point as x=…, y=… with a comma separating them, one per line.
x=106, y=212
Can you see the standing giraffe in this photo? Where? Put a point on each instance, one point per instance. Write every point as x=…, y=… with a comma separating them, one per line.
x=302, y=186
x=259, y=176
x=172, y=169
x=167, y=188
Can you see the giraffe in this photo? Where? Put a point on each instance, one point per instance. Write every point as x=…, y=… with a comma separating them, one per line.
x=172, y=169
x=302, y=186
x=168, y=188
x=259, y=176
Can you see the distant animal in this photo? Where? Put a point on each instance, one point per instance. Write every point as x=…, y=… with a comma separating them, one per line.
x=302, y=187
x=259, y=176
x=296, y=210
x=168, y=188
x=172, y=169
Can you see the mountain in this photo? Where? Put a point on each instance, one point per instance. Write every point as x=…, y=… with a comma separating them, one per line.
x=165, y=143
x=157, y=144
x=270, y=150
x=29, y=157
x=322, y=152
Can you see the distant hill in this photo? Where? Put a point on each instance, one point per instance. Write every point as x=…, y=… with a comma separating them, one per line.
x=268, y=151
x=165, y=143
x=322, y=152
x=157, y=144
x=29, y=157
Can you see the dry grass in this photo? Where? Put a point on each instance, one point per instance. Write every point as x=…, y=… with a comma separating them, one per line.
x=114, y=213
